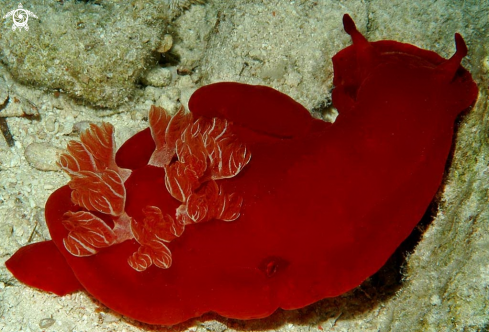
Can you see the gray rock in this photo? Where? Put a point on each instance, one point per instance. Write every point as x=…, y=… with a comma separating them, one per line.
x=94, y=53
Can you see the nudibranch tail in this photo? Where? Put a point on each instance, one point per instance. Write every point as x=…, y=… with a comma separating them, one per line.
x=97, y=184
x=87, y=233
x=158, y=122
x=96, y=180
x=211, y=203
x=152, y=233
x=194, y=155
x=166, y=130
x=95, y=152
x=206, y=151
x=98, y=191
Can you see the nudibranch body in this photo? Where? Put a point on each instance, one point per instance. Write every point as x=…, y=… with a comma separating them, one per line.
x=250, y=204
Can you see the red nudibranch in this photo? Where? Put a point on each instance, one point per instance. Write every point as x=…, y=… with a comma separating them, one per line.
x=248, y=204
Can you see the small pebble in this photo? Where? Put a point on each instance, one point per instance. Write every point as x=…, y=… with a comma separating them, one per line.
x=166, y=44
x=46, y=322
x=152, y=93
x=43, y=156
x=435, y=300
x=169, y=104
x=50, y=124
x=158, y=77
x=108, y=318
x=81, y=126
x=18, y=106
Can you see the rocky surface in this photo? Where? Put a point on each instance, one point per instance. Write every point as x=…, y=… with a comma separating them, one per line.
x=95, y=53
